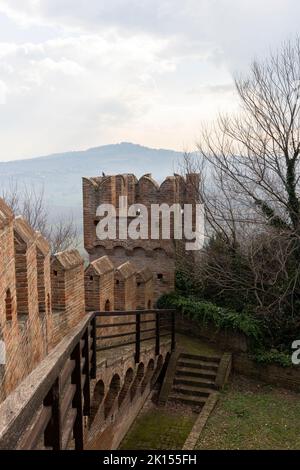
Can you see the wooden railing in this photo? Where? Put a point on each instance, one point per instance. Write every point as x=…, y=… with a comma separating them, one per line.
x=47, y=409
x=135, y=329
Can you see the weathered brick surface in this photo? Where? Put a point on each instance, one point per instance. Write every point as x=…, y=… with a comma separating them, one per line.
x=28, y=325
x=157, y=255
x=99, y=285
x=225, y=339
x=42, y=298
x=198, y=427
x=125, y=287
x=68, y=298
x=119, y=392
x=144, y=289
x=287, y=377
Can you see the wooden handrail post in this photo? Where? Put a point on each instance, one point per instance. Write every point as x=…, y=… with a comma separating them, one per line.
x=77, y=400
x=137, y=337
x=157, y=334
x=86, y=372
x=94, y=348
x=173, y=333
x=53, y=432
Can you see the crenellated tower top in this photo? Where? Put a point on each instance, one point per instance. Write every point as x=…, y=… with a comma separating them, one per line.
x=156, y=254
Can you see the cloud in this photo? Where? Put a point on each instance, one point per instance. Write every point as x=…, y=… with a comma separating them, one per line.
x=74, y=74
x=3, y=91
x=72, y=92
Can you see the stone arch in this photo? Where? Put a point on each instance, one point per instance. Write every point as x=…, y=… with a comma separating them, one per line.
x=114, y=388
x=127, y=382
x=138, y=378
x=159, y=252
x=107, y=306
x=98, y=395
x=168, y=190
x=119, y=251
x=148, y=190
x=120, y=187
x=105, y=190
x=139, y=252
x=148, y=375
x=101, y=250
x=8, y=305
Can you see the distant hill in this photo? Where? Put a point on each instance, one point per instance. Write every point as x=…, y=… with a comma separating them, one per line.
x=60, y=174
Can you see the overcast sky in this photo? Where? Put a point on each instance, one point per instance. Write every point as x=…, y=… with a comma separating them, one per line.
x=76, y=74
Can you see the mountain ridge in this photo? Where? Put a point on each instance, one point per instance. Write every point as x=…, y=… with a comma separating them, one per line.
x=60, y=174
x=131, y=145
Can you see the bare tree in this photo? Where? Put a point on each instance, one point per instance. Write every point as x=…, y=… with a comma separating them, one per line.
x=63, y=235
x=30, y=203
x=252, y=165
x=255, y=154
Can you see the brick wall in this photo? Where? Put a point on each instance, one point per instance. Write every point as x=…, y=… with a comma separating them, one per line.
x=225, y=339
x=125, y=287
x=29, y=326
x=44, y=288
x=8, y=316
x=144, y=253
x=68, y=298
x=287, y=377
x=144, y=289
x=29, y=321
x=99, y=285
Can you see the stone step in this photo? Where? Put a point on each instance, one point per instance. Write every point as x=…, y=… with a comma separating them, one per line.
x=187, y=400
x=200, y=357
x=191, y=390
x=190, y=372
x=195, y=382
x=192, y=364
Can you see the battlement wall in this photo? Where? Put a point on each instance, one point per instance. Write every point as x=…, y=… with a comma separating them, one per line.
x=156, y=254
x=43, y=296
x=29, y=326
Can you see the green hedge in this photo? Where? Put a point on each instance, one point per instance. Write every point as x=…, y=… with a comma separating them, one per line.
x=206, y=312
x=223, y=318
x=272, y=357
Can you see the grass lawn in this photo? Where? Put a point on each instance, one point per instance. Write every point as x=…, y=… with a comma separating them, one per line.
x=159, y=429
x=196, y=346
x=251, y=415
x=248, y=415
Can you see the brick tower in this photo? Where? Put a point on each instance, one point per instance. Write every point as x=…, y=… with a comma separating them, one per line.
x=156, y=254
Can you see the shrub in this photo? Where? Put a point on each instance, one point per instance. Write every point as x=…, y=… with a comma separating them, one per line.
x=206, y=312
x=270, y=357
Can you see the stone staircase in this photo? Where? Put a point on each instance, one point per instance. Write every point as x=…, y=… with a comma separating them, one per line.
x=195, y=379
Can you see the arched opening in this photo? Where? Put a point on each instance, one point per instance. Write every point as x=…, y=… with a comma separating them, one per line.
x=119, y=251
x=138, y=378
x=149, y=306
x=139, y=252
x=8, y=305
x=97, y=399
x=112, y=394
x=107, y=306
x=127, y=382
x=159, y=253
